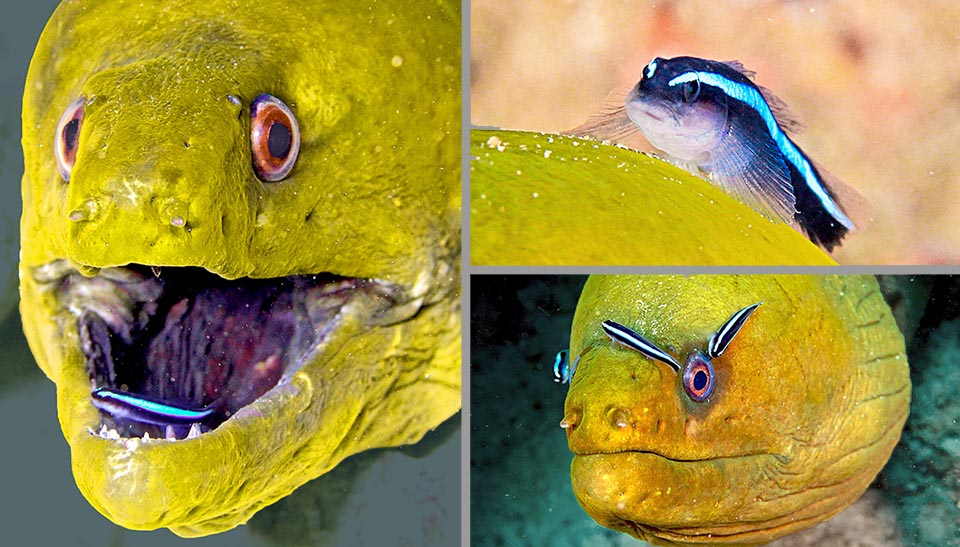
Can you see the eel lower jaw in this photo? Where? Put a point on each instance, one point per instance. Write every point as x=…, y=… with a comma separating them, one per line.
x=184, y=338
x=672, y=501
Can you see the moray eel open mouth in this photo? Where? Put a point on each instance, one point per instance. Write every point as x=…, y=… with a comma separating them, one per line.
x=240, y=244
x=187, y=339
x=223, y=395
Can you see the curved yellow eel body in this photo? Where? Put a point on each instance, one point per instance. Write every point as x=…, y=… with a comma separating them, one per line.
x=553, y=200
x=164, y=178
x=809, y=401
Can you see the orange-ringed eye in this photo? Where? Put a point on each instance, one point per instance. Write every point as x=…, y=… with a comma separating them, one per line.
x=698, y=377
x=274, y=138
x=67, y=137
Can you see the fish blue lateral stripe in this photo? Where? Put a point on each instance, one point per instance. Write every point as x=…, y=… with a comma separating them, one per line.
x=144, y=409
x=722, y=338
x=630, y=338
x=751, y=97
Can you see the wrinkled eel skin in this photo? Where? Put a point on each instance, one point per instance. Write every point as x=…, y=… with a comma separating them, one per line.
x=163, y=193
x=810, y=399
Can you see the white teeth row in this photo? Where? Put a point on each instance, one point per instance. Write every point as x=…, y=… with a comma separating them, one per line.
x=114, y=435
x=108, y=433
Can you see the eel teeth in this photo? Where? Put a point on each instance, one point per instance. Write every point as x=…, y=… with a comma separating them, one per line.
x=108, y=433
x=170, y=434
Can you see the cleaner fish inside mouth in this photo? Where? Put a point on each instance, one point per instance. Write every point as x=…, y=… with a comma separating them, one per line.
x=173, y=353
x=120, y=405
x=711, y=119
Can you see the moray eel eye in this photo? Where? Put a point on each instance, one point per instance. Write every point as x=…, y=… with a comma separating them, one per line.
x=698, y=377
x=274, y=138
x=67, y=136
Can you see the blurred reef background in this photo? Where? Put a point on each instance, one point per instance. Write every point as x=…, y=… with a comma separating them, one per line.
x=520, y=463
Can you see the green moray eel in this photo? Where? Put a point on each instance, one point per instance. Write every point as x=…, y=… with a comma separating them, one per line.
x=551, y=200
x=808, y=402
x=316, y=311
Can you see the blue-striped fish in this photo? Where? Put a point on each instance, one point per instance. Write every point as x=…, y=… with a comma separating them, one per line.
x=562, y=368
x=697, y=374
x=146, y=410
x=710, y=117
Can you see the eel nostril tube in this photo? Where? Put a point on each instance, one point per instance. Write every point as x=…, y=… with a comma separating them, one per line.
x=619, y=417
x=571, y=419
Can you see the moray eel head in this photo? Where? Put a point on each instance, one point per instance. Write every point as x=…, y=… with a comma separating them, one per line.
x=808, y=400
x=248, y=225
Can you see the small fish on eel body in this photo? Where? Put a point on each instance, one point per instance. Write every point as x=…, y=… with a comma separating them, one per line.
x=710, y=118
x=176, y=421
x=563, y=369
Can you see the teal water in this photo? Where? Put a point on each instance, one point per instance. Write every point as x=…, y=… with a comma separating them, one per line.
x=20, y=28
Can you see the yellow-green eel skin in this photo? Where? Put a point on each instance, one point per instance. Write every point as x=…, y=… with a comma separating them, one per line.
x=375, y=194
x=810, y=399
x=552, y=200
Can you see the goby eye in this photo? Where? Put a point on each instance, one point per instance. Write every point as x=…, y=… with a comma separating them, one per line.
x=689, y=91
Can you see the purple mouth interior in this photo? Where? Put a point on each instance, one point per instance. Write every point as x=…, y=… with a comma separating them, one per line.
x=189, y=339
